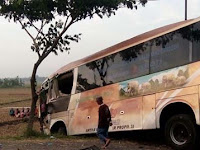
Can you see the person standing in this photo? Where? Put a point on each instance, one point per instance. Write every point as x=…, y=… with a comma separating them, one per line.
x=104, y=122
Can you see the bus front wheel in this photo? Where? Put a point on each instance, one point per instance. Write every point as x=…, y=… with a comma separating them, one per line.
x=180, y=132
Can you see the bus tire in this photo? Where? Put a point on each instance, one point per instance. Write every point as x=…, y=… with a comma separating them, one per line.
x=62, y=130
x=180, y=132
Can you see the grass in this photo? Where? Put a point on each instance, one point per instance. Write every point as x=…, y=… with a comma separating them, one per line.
x=12, y=127
x=34, y=134
x=25, y=136
x=15, y=128
x=9, y=95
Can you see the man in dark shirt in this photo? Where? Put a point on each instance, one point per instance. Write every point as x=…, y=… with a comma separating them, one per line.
x=104, y=122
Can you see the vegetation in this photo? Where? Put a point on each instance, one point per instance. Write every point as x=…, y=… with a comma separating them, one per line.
x=34, y=134
x=16, y=97
x=45, y=17
x=19, y=82
x=11, y=82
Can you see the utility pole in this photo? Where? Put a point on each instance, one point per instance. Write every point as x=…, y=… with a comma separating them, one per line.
x=185, y=9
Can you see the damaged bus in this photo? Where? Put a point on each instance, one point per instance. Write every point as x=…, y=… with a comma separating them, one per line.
x=151, y=81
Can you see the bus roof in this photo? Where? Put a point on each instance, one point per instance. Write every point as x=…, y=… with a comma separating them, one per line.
x=126, y=44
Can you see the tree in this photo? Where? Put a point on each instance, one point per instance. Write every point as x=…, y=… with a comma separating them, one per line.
x=51, y=32
x=11, y=82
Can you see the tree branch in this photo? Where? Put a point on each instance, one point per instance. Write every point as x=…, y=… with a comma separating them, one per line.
x=39, y=55
x=35, y=44
x=27, y=31
x=39, y=30
x=66, y=21
x=47, y=51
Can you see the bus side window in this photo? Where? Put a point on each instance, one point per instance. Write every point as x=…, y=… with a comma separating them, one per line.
x=53, y=90
x=49, y=91
x=65, y=83
x=196, y=42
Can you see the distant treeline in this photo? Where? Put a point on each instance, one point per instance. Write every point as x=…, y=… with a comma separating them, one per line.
x=18, y=82
x=38, y=79
x=11, y=82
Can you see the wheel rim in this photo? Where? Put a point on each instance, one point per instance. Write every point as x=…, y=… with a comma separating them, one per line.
x=179, y=133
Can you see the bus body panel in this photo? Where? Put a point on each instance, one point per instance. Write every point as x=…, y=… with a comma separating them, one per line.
x=127, y=95
x=191, y=100
x=55, y=118
x=126, y=114
x=61, y=116
x=124, y=94
x=85, y=117
x=148, y=109
x=188, y=92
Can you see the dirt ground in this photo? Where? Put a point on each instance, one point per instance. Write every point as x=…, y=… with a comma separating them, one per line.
x=11, y=128
x=78, y=144
x=137, y=140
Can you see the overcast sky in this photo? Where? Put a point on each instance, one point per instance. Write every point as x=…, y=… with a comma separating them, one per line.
x=17, y=59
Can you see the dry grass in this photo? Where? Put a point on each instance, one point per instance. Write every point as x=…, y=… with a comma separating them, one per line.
x=13, y=97
x=26, y=103
x=14, y=94
x=4, y=115
x=12, y=126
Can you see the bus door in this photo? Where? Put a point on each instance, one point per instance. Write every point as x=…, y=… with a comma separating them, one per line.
x=149, y=115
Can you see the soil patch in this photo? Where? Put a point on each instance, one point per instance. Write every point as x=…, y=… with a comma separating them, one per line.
x=77, y=144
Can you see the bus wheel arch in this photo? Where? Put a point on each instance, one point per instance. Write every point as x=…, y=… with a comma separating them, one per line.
x=59, y=127
x=177, y=120
x=173, y=109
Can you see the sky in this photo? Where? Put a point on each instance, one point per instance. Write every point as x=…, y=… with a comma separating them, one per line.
x=17, y=59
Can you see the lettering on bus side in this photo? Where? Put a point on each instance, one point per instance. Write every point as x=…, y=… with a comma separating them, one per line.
x=114, y=127
x=91, y=130
x=123, y=127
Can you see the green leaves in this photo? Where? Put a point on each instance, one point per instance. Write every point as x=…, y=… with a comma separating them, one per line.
x=29, y=12
x=64, y=43
x=36, y=10
x=33, y=10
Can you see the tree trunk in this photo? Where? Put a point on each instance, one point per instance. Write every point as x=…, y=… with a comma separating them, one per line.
x=34, y=98
x=45, y=53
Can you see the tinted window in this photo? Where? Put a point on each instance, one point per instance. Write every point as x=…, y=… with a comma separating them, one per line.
x=87, y=79
x=169, y=51
x=196, y=42
x=127, y=64
x=165, y=52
